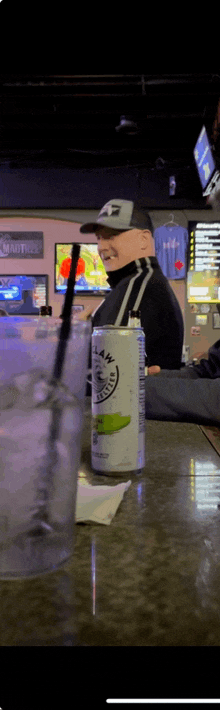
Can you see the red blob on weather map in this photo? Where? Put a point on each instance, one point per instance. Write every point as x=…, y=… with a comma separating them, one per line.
x=65, y=267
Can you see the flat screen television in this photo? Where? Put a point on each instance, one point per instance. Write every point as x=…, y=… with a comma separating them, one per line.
x=203, y=263
x=23, y=294
x=204, y=159
x=91, y=277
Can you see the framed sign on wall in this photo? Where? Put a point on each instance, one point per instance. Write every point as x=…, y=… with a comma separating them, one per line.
x=21, y=245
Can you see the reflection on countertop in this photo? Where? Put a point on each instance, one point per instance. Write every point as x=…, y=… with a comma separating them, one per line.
x=150, y=578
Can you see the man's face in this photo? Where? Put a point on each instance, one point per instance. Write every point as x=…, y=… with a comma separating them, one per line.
x=123, y=247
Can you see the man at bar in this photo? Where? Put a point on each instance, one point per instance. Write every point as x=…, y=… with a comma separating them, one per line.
x=125, y=240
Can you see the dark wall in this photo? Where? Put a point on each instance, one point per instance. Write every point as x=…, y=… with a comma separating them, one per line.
x=90, y=189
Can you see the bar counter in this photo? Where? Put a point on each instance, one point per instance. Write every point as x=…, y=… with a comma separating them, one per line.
x=151, y=577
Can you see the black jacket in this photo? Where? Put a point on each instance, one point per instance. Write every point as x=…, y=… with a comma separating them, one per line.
x=142, y=285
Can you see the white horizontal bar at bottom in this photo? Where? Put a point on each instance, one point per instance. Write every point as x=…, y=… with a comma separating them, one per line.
x=138, y=700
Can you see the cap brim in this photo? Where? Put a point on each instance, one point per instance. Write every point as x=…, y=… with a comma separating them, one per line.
x=88, y=228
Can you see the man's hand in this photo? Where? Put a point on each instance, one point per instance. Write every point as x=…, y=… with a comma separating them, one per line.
x=83, y=315
x=154, y=370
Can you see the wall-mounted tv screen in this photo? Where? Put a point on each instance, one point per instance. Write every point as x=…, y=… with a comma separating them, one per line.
x=91, y=277
x=203, y=273
x=204, y=159
x=23, y=294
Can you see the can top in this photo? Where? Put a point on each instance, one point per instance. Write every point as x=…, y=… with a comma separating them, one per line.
x=106, y=327
x=116, y=327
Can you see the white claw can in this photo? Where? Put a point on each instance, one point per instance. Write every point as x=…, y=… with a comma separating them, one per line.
x=118, y=399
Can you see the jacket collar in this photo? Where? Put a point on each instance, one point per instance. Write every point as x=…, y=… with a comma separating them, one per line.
x=132, y=268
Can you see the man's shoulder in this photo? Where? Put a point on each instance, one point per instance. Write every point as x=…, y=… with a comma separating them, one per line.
x=158, y=280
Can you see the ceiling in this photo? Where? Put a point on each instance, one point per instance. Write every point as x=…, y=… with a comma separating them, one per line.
x=71, y=120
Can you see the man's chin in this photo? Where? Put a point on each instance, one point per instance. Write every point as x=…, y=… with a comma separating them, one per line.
x=111, y=264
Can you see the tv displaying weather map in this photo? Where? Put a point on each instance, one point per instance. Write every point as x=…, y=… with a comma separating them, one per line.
x=23, y=294
x=91, y=277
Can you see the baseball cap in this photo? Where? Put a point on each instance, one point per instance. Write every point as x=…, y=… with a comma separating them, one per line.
x=118, y=214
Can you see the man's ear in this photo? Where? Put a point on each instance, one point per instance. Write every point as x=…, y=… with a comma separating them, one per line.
x=146, y=236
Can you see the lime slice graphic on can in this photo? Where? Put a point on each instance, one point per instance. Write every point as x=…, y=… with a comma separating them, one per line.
x=110, y=423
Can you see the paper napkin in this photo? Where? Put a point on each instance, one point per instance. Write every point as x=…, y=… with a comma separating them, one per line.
x=98, y=503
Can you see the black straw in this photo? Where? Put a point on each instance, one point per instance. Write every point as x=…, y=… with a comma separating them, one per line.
x=42, y=514
x=66, y=314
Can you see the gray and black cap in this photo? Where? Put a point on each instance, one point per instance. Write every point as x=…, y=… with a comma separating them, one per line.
x=118, y=214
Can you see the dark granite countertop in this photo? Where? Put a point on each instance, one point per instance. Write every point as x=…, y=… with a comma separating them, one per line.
x=150, y=578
